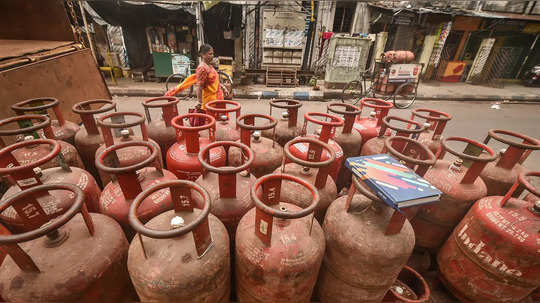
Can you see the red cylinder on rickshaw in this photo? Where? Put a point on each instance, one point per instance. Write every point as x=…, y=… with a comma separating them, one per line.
x=226, y=128
x=324, y=134
x=184, y=250
x=30, y=153
x=28, y=175
x=88, y=138
x=287, y=126
x=369, y=126
x=437, y=121
x=182, y=156
x=161, y=130
x=127, y=156
x=267, y=153
x=501, y=174
x=493, y=255
x=279, y=247
x=63, y=130
x=82, y=257
x=130, y=180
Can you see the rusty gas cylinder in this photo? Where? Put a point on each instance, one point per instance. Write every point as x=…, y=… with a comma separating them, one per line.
x=34, y=127
x=228, y=186
x=370, y=125
x=461, y=187
x=88, y=138
x=500, y=175
x=376, y=145
x=82, y=258
x=279, y=247
x=130, y=180
x=226, y=128
x=409, y=287
x=127, y=156
x=30, y=175
x=163, y=262
x=182, y=156
x=287, y=127
x=314, y=170
x=436, y=123
x=161, y=130
x=368, y=243
x=324, y=134
x=350, y=141
x=63, y=130
x=267, y=153
x=493, y=255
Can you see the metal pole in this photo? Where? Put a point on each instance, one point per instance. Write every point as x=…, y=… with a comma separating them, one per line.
x=527, y=57
x=90, y=42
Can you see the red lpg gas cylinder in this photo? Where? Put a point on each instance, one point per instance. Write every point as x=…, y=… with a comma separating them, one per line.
x=161, y=130
x=81, y=259
x=437, y=120
x=409, y=287
x=325, y=134
x=63, y=130
x=279, y=247
x=461, y=187
x=369, y=126
x=29, y=175
x=131, y=180
x=349, y=141
x=127, y=156
x=500, y=175
x=182, y=156
x=228, y=186
x=267, y=153
x=88, y=138
x=287, y=127
x=226, y=128
x=314, y=170
x=184, y=254
x=368, y=243
x=34, y=127
x=376, y=145
x=493, y=255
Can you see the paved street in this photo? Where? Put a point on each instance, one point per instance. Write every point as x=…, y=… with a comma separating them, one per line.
x=470, y=119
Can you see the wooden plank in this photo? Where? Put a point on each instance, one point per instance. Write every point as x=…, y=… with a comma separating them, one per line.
x=15, y=48
x=71, y=78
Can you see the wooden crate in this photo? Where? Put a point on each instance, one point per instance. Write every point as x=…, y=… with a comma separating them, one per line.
x=277, y=76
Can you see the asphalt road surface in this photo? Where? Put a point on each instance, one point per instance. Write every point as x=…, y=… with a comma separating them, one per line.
x=470, y=119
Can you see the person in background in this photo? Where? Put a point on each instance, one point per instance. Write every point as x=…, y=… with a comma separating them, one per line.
x=208, y=88
x=206, y=79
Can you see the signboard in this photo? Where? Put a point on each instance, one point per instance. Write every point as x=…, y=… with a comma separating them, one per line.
x=180, y=64
x=400, y=73
x=347, y=56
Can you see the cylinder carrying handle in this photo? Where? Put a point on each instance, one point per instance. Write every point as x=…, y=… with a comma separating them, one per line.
x=181, y=193
x=271, y=185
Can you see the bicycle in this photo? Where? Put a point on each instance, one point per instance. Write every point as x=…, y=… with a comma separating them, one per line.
x=389, y=81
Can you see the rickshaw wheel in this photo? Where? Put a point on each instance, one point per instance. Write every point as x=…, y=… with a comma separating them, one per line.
x=404, y=95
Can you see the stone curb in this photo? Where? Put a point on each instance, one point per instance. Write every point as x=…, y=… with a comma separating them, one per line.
x=326, y=96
